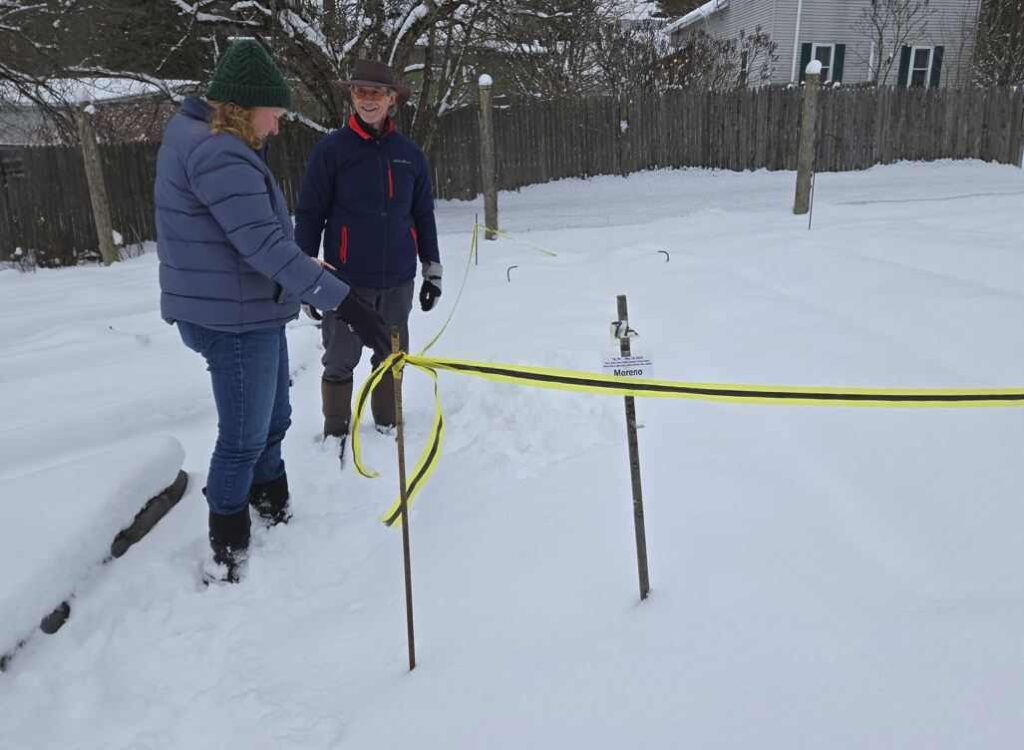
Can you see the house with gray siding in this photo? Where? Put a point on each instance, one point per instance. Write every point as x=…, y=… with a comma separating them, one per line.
x=935, y=50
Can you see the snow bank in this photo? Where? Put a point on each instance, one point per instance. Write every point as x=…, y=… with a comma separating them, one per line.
x=77, y=507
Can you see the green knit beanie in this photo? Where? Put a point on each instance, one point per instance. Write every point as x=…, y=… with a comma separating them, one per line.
x=248, y=77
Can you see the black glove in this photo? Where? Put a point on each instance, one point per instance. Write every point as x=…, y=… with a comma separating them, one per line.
x=431, y=288
x=367, y=324
x=428, y=295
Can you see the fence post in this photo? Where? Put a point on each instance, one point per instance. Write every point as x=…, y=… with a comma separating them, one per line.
x=1020, y=135
x=808, y=138
x=8, y=237
x=487, y=159
x=639, y=527
x=97, y=187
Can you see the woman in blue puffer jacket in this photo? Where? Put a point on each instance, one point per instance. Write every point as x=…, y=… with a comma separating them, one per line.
x=231, y=277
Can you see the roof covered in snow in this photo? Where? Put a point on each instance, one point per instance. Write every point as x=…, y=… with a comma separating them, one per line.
x=638, y=10
x=80, y=90
x=697, y=14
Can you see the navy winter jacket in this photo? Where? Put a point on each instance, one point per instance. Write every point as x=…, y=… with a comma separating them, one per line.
x=228, y=259
x=373, y=196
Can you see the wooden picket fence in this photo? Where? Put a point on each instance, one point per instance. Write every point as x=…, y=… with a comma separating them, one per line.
x=742, y=130
x=45, y=209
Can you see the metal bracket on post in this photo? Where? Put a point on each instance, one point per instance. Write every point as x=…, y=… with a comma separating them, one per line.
x=621, y=331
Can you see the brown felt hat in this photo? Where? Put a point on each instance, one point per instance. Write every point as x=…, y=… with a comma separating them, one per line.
x=370, y=73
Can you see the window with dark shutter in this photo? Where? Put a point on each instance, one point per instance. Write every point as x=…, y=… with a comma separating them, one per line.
x=922, y=72
x=824, y=53
x=828, y=56
x=920, y=67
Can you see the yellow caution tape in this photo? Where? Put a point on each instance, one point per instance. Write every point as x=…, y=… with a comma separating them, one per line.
x=428, y=458
x=586, y=382
x=473, y=248
x=574, y=380
x=508, y=236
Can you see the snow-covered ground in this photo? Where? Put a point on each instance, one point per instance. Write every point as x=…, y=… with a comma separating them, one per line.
x=822, y=578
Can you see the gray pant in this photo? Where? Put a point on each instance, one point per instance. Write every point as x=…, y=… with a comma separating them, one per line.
x=343, y=349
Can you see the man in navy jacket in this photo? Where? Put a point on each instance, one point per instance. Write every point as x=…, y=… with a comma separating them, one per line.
x=366, y=199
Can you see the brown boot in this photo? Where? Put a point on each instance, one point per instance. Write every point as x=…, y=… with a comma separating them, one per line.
x=382, y=403
x=337, y=405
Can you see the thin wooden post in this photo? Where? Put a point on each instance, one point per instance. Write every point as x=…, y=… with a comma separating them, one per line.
x=810, y=216
x=634, y=460
x=1020, y=141
x=396, y=347
x=808, y=138
x=97, y=186
x=488, y=170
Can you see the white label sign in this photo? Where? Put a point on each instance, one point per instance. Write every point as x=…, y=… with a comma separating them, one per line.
x=635, y=366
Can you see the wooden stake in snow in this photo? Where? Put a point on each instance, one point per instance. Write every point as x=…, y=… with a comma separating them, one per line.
x=808, y=138
x=488, y=170
x=97, y=187
x=403, y=493
x=634, y=458
x=1020, y=149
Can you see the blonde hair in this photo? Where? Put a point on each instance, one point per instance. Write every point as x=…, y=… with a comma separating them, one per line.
x=229, y=117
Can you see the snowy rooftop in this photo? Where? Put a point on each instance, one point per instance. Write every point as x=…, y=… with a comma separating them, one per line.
x=705, y=10
x=78, y=90
x=638, y=10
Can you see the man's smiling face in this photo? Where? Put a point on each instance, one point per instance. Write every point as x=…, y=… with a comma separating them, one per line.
x=373, y=103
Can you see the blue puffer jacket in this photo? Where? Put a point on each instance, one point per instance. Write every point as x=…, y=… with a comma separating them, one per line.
x=374, y=197
x=228, y=259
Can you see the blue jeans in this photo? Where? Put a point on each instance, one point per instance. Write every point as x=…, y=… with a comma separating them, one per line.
x=249, y=372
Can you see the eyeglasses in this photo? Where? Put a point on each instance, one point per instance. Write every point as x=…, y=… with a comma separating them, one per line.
x=367, y=92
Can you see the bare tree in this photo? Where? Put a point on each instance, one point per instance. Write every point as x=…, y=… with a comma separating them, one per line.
x=709, y=63
x=544, y=48
x=957, y=26
x=890, y=24
x=316, y=43
x=999, y=54
x=758, y=56
x=549, y=48
x=538, y=48
x=50, y=63
x=446, y=78
x=30, y=35
x=626, y=59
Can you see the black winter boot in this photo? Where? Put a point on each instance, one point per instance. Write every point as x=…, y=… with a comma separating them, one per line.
x=229, y=540
x=337, y=406
x=270, y=500
x=382, y=404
